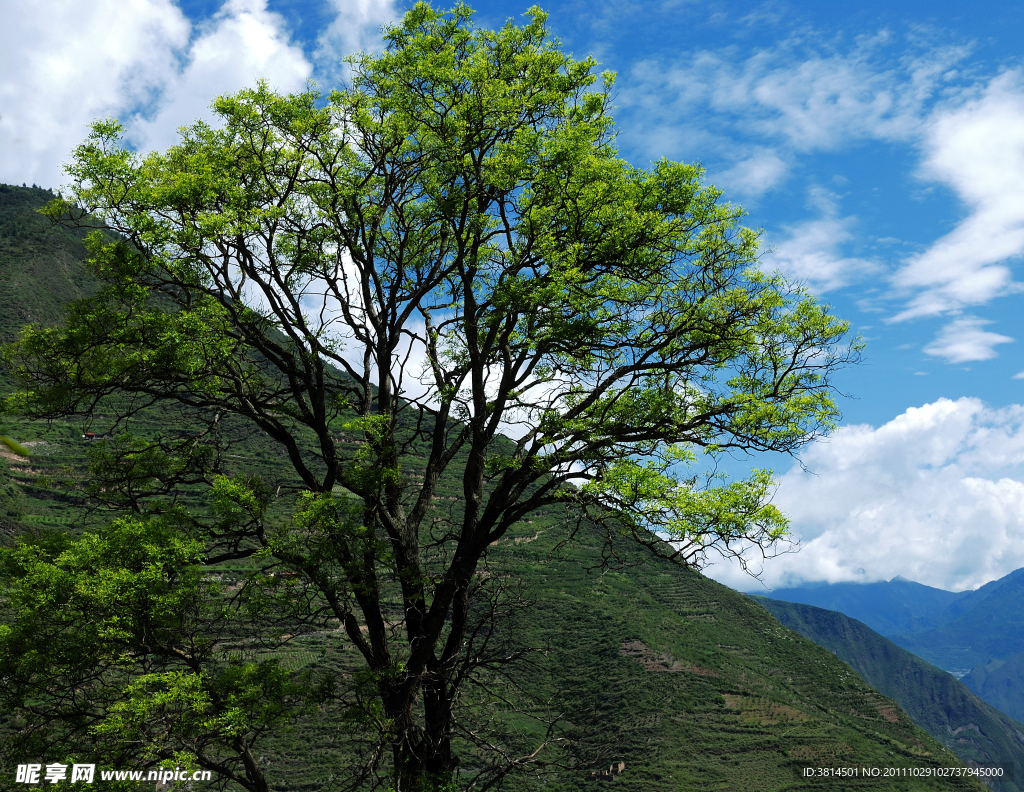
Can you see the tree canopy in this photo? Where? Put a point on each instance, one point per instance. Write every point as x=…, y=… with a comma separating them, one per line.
x=447, y=259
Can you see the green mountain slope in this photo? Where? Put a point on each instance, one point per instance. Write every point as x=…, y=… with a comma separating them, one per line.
x=973, y=729
x=696, y=687
x=690, y=685
x=40, y=265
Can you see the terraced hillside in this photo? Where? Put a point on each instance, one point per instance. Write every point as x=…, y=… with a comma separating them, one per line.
x=695, y=688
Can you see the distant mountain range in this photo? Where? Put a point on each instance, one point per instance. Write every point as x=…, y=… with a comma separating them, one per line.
x=895, y=607
x=987, y=628
x=976, y=635
x=889, y=608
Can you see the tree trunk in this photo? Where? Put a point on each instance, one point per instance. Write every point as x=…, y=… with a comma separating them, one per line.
x=423, y=754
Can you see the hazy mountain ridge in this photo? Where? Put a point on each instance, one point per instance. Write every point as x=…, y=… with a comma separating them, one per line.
x=976, y=635
x=956, y=631
x=970, y=599
x=887, y=607
x=992, y=628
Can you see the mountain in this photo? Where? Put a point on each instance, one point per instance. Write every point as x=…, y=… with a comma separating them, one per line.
x=993, y=628
x=1000, y=683
x=981, y=630
x=666, y=679
x=973, y=729
x=970, y=599
x=896, y=606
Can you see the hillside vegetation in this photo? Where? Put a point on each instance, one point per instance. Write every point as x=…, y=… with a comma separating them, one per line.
x=40, y=264
x=977, y=635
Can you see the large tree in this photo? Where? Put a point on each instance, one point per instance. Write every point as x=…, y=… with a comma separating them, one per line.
x=447, y=258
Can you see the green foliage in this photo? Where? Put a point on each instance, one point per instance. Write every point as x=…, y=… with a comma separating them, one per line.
x=15, y=446
x=673, y=729
x=251, y=696
x=110, y=640
x=647, y=500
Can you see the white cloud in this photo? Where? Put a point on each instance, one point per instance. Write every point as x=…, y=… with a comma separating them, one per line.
x=761, y=113
x=935, y=495
x=794, y=96
x=242, y=43
x=963, y=340
x=820, y=102
x=977, y=149
x=65, y=63
x=753, y=176
x=810, y=252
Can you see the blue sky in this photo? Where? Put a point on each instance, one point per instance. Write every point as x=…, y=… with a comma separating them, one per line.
x=879, y=145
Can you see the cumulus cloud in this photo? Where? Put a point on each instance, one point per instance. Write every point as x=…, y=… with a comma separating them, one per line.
x=935, y=495
x=977, y=149
x=65, y=63
x=963, y=340
x=241, y=44
x=809, y=253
